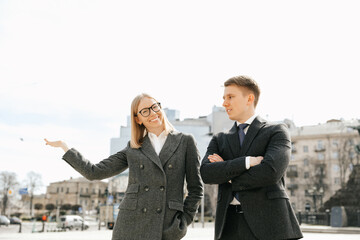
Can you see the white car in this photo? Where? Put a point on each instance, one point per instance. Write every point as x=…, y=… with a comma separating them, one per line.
x=4, y=220
x=72, y=222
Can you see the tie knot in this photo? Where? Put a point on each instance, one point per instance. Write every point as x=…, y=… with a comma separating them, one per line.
x=243, y=126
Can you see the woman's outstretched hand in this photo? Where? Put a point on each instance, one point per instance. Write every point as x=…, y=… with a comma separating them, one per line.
x=59, y=144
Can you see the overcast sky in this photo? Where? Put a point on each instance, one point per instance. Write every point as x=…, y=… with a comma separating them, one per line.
x=69, y=69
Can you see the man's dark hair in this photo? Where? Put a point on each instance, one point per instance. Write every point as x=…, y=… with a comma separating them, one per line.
x=247, y=83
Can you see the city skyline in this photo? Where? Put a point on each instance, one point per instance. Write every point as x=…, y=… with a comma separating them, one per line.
x=69, y=70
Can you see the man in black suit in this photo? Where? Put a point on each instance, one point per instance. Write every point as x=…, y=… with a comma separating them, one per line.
x=249, y=163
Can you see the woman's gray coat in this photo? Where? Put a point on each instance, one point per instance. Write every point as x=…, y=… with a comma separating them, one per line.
x=154, y=206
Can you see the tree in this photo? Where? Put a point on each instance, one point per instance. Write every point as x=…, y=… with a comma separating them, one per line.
x=65, y=207
x=38, y=206
x=346, y=154
x=50, y=207
x=8, y=181
x=75, y=208
x=33, y=182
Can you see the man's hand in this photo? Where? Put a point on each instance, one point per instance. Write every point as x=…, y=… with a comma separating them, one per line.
x=255, y=160
x=215, y=158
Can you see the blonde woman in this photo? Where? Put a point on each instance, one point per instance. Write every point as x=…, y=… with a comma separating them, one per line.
x=159, y=160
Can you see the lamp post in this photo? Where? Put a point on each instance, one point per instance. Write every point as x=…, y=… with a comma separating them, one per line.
x=314, y=193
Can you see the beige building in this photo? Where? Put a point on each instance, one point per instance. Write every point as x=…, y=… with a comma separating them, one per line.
x=77, y=191
x=322, y=159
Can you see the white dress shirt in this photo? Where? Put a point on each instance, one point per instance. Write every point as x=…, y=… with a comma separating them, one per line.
x=158, y=141
x=247, y=159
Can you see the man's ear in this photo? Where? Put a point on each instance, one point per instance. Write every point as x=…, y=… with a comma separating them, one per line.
x=251, y=98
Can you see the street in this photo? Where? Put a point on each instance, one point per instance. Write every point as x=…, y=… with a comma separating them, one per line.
x=195, y=232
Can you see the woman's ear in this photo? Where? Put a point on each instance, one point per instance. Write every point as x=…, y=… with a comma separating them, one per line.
x=138, y=120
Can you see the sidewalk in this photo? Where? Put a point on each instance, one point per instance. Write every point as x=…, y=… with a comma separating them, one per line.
x=306, y=228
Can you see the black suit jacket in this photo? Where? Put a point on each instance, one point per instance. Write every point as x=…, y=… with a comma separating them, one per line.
x=262, y=188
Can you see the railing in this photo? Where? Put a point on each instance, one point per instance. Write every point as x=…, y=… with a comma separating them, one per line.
x=314, y=218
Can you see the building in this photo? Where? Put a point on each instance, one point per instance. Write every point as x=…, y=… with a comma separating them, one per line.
x=77, y=191
x=322, y=159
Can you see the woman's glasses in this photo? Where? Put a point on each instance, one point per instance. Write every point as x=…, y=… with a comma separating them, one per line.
x=145, y=112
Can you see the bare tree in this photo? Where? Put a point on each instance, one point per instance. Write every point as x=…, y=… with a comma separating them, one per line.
x=7, y=181
x=33, y=182
x=347, y=156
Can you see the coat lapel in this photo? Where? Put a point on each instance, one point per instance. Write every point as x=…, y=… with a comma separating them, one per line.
x=233, y=140
x=171, y=144
x=253, y=130
x=148, y=150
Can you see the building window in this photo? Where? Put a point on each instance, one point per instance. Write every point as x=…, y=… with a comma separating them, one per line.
x=321, y=156
x=292, y=158
x=293, y=168
x=306, y=162
x=337, y=181
x=306, y=148
x=306, y=174
x=336, y=168
x=81, y=190
x=93, y=191
x=67, y=190
x=87, y=190
x=292, y=192
x=57, y=189
x=335, y=155
x=320, y=144
x=62, y=189
x=335, y=143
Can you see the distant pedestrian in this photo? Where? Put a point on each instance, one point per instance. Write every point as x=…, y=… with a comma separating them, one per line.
x=159, y=160
x=248, y=163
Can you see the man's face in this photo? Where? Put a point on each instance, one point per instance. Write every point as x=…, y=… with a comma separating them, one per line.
x=237, y=103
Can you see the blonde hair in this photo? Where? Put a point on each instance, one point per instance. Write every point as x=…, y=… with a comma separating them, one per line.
x=138, y=132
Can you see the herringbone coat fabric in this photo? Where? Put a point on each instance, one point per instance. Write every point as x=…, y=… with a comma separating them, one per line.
x=154, y=206
x=264, y=201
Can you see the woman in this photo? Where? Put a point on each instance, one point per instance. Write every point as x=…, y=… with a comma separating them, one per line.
x=159, y=159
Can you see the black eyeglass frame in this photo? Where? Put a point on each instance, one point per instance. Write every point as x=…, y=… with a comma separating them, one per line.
x=150, y=108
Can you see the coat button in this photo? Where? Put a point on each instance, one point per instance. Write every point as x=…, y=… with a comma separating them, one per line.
x=158, y=210
x=162, y=188
x=141, y=166
x=170, y=166
x=144, y=210
x=146, y=188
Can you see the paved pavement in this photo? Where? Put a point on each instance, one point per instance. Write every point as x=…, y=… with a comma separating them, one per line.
x=195, y=232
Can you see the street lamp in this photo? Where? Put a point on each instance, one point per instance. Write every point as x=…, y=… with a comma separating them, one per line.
x=314, y=193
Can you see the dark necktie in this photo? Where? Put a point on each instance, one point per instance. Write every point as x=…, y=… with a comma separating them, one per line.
x=242, y=133
x=241, y=138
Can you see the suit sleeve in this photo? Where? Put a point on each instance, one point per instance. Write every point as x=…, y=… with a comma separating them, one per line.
x=193, y=181
x=220, y=172
x=108, y=167
x=273, y=166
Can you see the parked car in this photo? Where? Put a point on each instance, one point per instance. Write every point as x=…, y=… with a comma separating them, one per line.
x=4, y=220
x=72, y=222
x=15, y=220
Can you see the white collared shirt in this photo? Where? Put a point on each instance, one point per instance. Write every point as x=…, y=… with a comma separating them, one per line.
x=158, y=141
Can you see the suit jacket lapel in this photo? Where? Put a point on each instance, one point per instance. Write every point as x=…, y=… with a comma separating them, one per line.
x=233, y=141
x=171, y=144
x=148, y=150
x=253, y=130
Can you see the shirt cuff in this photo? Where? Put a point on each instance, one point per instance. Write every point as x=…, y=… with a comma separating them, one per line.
x=247, y=162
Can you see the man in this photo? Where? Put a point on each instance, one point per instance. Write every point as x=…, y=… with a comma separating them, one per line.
x=248, y=163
